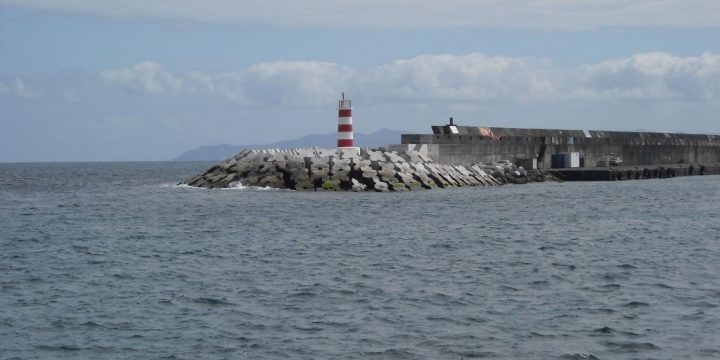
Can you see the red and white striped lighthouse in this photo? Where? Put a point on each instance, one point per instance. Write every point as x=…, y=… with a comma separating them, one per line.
x=345, y=126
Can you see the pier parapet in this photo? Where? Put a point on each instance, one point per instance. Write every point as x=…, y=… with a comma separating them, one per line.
x=471, y=145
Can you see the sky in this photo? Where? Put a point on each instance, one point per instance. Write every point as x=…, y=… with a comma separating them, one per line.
x=141, y=80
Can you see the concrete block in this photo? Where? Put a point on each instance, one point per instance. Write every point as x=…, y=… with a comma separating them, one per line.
x=454, y=180
x=253, y=157
x=449, y=179
x=348, y=153
x=340, y=169
x=304, y=185
x=229, y=178
x=320, y=172
x=357, y=186
x=362, y=163
x=387, y=171
x=266, y=169
x=425, y=158
x=369, y=174
x=414, y=157
x=380, y=185
x=478, y=170
x=320, y=162
x=326, y=153
x=242, y=154
x=273, y=182
x=194, y=179
x=376, y=155
x=280, y=165
x=244, y=167
x=235, y=169
x=341, y=164
x=465, y=175
x=367, y=168
x=403, y=167
x=398, y=186
x=439, y=180
x=332, y=185
x=227, y=164
x=493, y=180
x=425, y=181
x=394, y=157
x=252, y=180
x=418, y=168
x=277, y=156
x=341, y=176
x=218, y=177
x=408, y=180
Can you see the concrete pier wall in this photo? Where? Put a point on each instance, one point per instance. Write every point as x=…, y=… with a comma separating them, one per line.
x=636, y=173
x=469, y=146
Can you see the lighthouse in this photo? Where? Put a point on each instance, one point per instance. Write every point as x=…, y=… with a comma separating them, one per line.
x=345, y=141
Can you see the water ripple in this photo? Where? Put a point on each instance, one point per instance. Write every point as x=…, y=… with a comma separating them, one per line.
x=103, y=261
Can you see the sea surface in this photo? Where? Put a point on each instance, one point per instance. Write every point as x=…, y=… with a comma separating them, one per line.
x=114, y=261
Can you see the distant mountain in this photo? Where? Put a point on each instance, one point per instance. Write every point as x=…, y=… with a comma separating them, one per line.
x=379, y=138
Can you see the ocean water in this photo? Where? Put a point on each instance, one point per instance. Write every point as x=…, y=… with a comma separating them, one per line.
x=112, y=261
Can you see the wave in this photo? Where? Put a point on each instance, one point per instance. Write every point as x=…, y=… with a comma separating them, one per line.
x=212, y=301
x=178, y=186
x=239, y=186
x=634, y=304
x=232, y=186
x=631, y=346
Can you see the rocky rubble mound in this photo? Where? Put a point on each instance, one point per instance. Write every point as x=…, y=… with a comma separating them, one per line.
x=317, y=169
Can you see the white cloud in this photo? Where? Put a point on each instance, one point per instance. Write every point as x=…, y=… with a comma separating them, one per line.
x=70, y=96
x=467, y=77
x=147, y=76
x=408, y=14
x=284, y=82
x=428, y=77
x=4, y=90
x=441, y=78
x=654, y=76
x=22, y=90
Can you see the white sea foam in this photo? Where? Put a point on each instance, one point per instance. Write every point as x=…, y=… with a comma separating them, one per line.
x=175, y=185
x=238, y=186
x=231, y=186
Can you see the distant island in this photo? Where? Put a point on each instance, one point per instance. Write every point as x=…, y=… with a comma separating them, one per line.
x=382, y=137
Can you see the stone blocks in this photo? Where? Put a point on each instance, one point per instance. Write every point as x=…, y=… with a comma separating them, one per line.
x=314, y=169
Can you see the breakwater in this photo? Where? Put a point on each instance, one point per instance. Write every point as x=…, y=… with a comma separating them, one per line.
x=470, y=144
x=313, y=169
x=636, y=172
